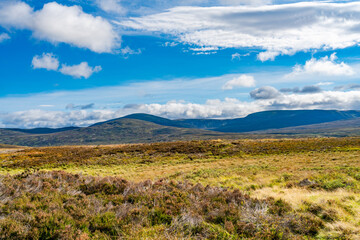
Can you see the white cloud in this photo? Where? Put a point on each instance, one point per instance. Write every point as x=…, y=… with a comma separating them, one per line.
x=127, y=51
x=112, y=6
x=237, y=56
x=4, y=36
x=282, y=29
x=16, y=14
x=241, y=81
x=50, y=62
x=268, y=55
x=326, y=66
x=57, y=23
x=47, y=61
x=204, y=49
x=52, y=119
x=324, y=84
x=81, y=70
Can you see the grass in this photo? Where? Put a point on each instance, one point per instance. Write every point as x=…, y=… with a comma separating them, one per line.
x=313, y=181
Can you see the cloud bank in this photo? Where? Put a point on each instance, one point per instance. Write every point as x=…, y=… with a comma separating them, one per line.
x=278, y=29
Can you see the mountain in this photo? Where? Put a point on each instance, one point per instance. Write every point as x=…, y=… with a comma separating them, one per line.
x=152, y=119
x=256, y=121
x=123, y=130
x=341, y=128
x=285, y=118
x=142, y=128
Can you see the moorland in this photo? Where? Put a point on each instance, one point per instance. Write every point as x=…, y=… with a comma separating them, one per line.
x=307, y=188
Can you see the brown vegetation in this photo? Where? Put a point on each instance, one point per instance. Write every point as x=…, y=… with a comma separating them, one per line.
x=58, y=205
x=223, y=189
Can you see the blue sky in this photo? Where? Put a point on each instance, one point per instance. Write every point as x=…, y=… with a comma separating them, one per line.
x=77, y=62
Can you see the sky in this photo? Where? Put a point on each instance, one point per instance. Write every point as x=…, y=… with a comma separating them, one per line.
x=78, y=62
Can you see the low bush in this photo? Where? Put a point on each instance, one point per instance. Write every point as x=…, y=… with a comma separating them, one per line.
x=59, y=205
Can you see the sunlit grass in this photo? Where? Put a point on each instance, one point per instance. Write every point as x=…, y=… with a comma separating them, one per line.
x=262, y=169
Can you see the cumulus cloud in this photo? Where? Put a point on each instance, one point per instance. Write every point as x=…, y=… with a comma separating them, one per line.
x=326, y=66
x=16, y=14
x=241, y=81
x=50, y=62
x=266, y=92
x=4, y=36
x=82, y=70
x=57, y=23
x=277, y=29
x=306, y=89
x=47, y=61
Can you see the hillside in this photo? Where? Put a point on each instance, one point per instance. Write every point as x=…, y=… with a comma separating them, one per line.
x=111, y=132
x=6, y=146
x=143, y=128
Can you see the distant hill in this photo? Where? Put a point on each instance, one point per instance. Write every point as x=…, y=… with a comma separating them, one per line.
x=42, y=130
x=138, y=128
x=256, y=121
x=286, y=118
x=117, y=131
x=341, y=128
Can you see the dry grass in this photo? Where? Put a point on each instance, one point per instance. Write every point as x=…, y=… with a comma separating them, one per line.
x=260, y=168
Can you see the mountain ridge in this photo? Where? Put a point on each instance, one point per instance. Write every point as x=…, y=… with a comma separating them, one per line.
x=142, y=128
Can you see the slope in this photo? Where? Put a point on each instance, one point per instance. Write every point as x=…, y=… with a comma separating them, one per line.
x=113, y=132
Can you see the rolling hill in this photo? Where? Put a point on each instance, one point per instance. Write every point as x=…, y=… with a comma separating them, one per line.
x=256, y=121
x=117, y=131
x=142, y=128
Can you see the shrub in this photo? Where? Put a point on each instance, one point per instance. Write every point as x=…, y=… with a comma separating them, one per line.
x=59, y=205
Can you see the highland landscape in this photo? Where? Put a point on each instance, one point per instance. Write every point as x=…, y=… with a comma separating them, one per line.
x=179, y=120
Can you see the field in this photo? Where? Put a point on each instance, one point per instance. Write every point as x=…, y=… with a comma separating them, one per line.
x=216, y=189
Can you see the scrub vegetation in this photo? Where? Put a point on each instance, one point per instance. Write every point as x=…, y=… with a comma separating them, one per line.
x=219, y=189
